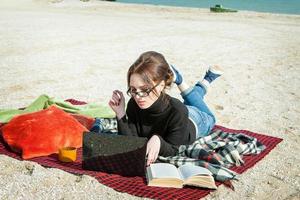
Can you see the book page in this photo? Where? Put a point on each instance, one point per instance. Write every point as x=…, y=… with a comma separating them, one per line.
x=189, y=170
x=164, y=170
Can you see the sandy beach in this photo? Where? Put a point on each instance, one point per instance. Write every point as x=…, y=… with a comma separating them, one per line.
x=82, y=50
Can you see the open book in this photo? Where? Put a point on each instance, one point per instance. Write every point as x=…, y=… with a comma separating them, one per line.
x=167, y=175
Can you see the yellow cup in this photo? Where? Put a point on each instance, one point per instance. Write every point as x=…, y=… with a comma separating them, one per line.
x=67, y=154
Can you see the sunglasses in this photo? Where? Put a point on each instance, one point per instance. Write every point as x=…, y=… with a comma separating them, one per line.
x=143, y=93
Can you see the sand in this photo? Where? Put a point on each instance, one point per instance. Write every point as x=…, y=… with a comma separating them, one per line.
x=82, y=50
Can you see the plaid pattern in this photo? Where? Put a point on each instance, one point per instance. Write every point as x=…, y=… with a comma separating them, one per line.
x=76, y=102
x=125, y=164
x=105, y=125
x=137, y=185
x=217, y=152
x=123, y=155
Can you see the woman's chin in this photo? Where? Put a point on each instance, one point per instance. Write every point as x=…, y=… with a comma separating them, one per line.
x=143, y=106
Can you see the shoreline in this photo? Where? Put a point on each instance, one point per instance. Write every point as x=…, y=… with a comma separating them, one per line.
x=94, y=5
x=205, y=8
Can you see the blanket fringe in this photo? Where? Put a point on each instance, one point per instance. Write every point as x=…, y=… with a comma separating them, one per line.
x=229, y=184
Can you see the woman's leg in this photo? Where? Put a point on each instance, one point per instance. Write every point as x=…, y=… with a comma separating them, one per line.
x=193, y=96
x=199, y=112
x=203, y=122
x=203, y=119
x=178, y=80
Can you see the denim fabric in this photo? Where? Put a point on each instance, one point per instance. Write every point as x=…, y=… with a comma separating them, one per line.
x=199, y=113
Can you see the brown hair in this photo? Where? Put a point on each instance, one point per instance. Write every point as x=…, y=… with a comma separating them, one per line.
x=152, y=66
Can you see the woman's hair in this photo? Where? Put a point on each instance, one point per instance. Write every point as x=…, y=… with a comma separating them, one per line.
x=152, y=67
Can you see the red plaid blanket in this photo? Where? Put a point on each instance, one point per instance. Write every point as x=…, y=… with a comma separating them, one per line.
x=137, y=185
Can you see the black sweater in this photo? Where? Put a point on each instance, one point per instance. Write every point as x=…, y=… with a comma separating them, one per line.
x=166, y=119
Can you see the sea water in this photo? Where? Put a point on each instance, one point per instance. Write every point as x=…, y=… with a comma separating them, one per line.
x=272, y=6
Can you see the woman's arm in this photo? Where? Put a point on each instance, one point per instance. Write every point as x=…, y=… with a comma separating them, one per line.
x=179, y=132
x=117, y=103
x=158, y=146
x=126, y=125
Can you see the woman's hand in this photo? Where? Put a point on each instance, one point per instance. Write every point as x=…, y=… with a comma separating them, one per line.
x=153, y=147
x=117, y=103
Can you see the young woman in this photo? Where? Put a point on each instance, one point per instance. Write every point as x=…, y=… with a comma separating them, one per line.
x=151, y=113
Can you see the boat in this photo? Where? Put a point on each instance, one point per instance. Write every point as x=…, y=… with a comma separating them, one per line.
x=220, y=8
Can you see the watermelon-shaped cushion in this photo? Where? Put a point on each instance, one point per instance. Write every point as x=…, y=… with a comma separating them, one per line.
x=42, y=133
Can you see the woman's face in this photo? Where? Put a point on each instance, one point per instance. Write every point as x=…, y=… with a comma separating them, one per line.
x=140, y=90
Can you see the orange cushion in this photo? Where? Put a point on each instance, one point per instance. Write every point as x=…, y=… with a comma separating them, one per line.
x=43, y=133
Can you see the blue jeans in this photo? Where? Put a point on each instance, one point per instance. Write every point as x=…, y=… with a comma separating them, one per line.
x=199, y=113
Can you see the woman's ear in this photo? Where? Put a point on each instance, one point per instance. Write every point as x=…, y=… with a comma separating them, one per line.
x=163, y=84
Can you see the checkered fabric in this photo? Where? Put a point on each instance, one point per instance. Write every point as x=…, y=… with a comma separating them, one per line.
x=217, y=152
x=137, y=185
x=105, y=125
x=117, y=154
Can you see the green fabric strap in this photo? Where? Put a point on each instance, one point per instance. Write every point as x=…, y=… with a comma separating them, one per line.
x=44, y=101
